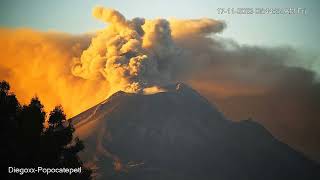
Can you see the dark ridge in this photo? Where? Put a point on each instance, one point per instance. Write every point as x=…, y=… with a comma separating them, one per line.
x=178, y=134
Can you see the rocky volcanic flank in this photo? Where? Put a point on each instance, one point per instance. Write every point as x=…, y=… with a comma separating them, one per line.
x=178, y=134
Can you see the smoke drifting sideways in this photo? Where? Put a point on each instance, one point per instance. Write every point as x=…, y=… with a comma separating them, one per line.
x=141, y=55
x=132, y=55
x=39, y=63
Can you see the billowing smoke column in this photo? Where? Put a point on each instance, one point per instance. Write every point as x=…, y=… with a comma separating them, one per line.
x=132, y=55
x=125, y=54
x=135, y=55
x=141, y=55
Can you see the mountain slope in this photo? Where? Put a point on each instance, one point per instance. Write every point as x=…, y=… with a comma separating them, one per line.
x=178, y=134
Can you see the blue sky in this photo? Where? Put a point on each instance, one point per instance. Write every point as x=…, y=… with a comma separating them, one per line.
x=74, y=16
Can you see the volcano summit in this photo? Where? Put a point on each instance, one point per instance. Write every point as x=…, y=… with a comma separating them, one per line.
x=178, y=134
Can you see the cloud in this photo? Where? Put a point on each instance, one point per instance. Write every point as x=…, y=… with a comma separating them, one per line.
x=135, y=54
x=140, y=55
x=39, y=63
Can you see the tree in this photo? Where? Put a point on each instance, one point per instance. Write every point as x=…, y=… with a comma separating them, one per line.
x=29, y=144
x=32, y=118
x=57, y=116
x=9, y=105
x=61, y=147
x=4, y=86
x=9, y=109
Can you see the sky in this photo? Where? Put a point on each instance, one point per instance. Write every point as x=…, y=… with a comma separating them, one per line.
x=74, y=16
x=246, y=81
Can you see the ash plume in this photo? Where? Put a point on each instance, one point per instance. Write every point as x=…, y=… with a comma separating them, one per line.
x=142, y=55
x=134, y=54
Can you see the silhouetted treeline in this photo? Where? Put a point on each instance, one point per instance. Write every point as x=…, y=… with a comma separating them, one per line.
x=28, y=143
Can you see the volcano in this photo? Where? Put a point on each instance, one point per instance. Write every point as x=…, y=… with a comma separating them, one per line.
x=178, y=134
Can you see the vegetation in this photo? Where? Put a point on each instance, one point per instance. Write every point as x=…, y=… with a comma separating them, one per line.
x=28, y=143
